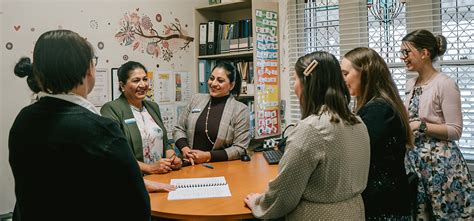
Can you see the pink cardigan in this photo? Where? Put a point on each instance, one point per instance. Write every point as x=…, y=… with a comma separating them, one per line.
x=440, y=103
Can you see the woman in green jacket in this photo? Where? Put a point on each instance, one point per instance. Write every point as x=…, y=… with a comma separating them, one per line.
x=140, y=121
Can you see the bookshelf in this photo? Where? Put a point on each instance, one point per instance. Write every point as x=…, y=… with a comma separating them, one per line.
x=239, y=54
x=261, y=53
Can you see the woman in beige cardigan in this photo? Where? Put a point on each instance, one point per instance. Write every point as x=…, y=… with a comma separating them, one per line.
x=434, y=106
x=215, y=126
x=326, y=162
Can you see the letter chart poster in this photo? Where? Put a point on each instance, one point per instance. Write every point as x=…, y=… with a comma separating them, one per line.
x=267, y=84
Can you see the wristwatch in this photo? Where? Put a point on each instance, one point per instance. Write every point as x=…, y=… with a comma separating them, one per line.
x=422, y=128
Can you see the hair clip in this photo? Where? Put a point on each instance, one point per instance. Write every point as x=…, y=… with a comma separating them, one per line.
x=310, y=68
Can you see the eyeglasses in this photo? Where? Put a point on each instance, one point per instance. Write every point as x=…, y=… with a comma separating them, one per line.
x=405, y=52
x=95, y=60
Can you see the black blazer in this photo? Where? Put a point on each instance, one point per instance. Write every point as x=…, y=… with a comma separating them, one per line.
x=387, y=188
x=71, y=164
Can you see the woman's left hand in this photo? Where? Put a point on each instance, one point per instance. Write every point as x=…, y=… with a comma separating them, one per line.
x=200, y=156
x=250, y=199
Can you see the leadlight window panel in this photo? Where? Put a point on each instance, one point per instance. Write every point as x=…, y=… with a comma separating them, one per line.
x=386, y=33
x=458, y=62
x=313, y=26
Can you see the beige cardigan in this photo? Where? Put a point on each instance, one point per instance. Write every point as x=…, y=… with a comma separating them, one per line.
x=233, y=135
x=440, y=103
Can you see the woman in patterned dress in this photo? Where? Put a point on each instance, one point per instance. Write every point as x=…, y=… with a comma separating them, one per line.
x=326, y=162
x=434, y=106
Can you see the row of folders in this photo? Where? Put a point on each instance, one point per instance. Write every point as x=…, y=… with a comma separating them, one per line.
x=217, y=37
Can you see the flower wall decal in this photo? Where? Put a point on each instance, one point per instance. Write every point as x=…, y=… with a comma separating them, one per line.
x=139, y=32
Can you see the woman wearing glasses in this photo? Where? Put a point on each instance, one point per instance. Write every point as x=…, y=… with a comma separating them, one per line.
x=140, y=121
x=434, y=106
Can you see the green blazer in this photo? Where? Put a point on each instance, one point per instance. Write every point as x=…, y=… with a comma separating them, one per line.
x=120, y=111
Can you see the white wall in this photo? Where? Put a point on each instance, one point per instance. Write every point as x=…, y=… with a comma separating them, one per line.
x=98, y=21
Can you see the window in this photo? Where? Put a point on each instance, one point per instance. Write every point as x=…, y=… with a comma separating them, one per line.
x=457, y=25
x=330, y=26
x=314, y=26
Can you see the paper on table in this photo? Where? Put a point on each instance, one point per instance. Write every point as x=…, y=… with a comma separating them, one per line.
x=199, y=188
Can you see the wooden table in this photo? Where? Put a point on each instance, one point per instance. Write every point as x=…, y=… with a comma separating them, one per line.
x=242, y=177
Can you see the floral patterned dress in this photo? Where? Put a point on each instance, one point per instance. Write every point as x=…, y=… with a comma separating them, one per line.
x=445, y=187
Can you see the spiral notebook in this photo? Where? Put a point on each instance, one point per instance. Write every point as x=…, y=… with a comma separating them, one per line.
x=199, y=188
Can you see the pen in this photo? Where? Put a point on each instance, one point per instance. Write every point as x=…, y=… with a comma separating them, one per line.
x=172, y=156
x=208, y=165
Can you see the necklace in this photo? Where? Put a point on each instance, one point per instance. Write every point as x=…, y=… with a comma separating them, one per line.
x=207, y=118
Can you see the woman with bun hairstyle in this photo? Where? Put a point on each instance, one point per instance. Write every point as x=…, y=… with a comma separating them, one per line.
x=23, y=69
x=66, y=159
x=434, y=106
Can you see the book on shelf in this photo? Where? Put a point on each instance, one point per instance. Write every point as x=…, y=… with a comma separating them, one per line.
x=199, y=188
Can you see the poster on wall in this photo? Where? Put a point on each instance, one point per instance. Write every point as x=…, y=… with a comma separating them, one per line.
x=164, y=89
x=267, y=97
x=150, y=95
x=100, y=94
x=183, y=86
x=168, y=115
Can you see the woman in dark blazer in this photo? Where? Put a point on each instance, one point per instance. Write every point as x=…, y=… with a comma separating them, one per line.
x=381, y=108
x=69, y=163
x=140, y=121
x=215, y=126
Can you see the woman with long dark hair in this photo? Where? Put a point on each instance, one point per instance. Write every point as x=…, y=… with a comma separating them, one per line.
x=378, y=103
x=325, y=165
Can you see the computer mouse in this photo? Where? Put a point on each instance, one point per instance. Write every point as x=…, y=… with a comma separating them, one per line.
x=245, y=157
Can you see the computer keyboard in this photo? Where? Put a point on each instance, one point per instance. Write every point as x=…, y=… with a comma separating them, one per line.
x=272, y=156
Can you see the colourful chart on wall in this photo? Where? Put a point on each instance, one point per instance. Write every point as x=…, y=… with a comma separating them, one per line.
x=267, y=99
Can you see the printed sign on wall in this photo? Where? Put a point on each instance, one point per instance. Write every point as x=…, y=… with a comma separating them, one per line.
x=267, y=98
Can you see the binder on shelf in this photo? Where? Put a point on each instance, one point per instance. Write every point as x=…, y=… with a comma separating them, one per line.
x=244, y=34
x=224, y=40
x=203, y=39
x=212, y=31
x=250, y=27
x=204, y=71
x=234, y=37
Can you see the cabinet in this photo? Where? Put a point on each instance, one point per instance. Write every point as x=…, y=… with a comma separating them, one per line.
x=261, y=52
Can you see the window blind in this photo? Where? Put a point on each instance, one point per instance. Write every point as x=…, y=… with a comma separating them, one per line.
x=338, y=26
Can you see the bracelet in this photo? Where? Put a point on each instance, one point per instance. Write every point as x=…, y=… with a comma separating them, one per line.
x=423, y=127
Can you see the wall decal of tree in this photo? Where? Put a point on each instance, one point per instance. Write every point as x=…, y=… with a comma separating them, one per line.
x=141, y=34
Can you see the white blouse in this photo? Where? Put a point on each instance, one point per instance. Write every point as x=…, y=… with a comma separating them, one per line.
x=151, y=133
